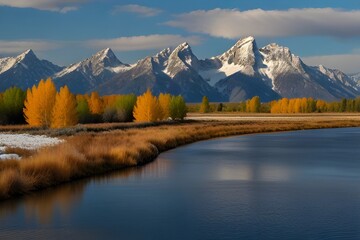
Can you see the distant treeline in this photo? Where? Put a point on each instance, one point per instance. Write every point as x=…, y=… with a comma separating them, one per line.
x=43, y=106
x=284, y=105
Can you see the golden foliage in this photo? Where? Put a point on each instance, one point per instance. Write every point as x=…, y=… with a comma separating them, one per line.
x=164, y=102
x=147, y=108
x=39, y=103
x=95, y=103
x=64, y=112
x=253, y=105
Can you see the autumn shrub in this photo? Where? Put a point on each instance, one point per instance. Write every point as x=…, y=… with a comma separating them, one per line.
x=177, y=108
x=11, y=106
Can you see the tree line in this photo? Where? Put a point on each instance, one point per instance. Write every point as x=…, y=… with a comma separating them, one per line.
x=43, y=106
x=284, y=105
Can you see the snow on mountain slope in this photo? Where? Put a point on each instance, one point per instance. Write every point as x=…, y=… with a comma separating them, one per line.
x=243, y=57
x=278, y=68
x=89, y=73
x=24, y=70
x=172, y=71
x=356, y=79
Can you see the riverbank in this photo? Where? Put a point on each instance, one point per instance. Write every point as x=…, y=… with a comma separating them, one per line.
x=88, y=153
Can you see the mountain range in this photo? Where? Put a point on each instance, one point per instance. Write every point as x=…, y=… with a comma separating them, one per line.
x=240, y=73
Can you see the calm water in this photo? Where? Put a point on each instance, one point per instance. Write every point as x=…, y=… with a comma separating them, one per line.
x=295, y=185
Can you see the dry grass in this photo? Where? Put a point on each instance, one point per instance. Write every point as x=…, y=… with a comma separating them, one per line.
x=20, y=151
x=89, y=153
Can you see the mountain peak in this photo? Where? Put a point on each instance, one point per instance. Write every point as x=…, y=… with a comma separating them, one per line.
x=105, y=53
x=183, y=47
x=28, y=54
x=245, y=40
x=242, y=53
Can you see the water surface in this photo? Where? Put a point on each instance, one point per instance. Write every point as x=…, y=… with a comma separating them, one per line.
x=293, y=185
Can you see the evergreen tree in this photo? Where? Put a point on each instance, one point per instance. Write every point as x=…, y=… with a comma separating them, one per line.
x=220, y=107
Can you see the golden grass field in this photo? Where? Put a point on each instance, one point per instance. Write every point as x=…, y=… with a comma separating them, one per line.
x=97, y=149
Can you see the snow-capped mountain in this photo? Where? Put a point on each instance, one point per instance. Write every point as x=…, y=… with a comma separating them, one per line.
x=356, y=79
x=24, y=70
x=88, y=74
x=239, y=70
x=240, y=73
x=170, y=71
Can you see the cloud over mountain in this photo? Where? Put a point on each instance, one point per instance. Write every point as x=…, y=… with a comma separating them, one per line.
x=234, y=23
x=10, y=47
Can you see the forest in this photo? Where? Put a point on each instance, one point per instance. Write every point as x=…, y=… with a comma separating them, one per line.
x=43, y=106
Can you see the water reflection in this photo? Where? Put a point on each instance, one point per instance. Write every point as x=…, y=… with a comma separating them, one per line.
x=60, y=201
x=250, y=172
x=302, y=185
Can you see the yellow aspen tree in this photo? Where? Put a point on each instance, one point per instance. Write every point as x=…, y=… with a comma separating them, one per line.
x=274, y=106
x=254, y=105
x=95, y=103
x=164, y=103
x=304, y=105
x=297, y=107
x=284, y=105
x=39, y=103
x=109, y=101
x=147, y=108
x=291, y=106
x=64, y=112
x=321, y=105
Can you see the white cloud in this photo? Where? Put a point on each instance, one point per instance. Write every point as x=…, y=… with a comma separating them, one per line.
x=156, y=41
x=18, y=46
x=233, y=23
x=62, y=6
x=348, y=63
x=137, y=9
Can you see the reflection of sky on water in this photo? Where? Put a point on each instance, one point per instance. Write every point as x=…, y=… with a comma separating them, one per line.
x=252, y=173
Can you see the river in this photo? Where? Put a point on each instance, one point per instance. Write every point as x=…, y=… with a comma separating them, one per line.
x=291, y=185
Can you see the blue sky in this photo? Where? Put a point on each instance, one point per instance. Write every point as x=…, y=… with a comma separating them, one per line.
x=66, y=31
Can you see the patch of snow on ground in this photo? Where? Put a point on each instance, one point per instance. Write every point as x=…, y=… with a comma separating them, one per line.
x=2, y=149
x=24, y=141
x=27, y=141
x=9, y=156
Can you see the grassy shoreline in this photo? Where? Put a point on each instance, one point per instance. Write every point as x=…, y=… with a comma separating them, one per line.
x=89, y=153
